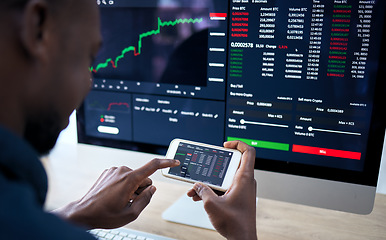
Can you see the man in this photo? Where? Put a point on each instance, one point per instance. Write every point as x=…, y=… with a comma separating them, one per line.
x=46, y=48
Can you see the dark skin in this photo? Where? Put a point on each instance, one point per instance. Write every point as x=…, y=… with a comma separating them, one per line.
x=47, y=47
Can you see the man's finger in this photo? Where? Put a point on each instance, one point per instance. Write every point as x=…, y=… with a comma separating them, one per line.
x=192, y=194
x=152, y=166
x=141, y=201
x=239, y=145
x=249, y=154
x=146, y=182
x=204, y=192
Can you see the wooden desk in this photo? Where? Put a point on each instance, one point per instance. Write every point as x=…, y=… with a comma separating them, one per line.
x=73, y=169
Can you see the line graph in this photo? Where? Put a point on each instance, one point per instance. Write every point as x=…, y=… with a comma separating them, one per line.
x=110, y=105
x=137, y=50
x=117, y=104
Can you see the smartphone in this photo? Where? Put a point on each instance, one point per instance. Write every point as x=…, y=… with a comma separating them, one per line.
x=212, y=165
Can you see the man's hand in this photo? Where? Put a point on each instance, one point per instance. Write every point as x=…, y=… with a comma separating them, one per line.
x=117, y=197
x=234, y=213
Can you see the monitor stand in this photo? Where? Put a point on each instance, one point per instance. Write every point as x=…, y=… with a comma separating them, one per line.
x=186, y=211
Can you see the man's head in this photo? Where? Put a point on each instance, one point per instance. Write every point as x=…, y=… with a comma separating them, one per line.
x=46, y=49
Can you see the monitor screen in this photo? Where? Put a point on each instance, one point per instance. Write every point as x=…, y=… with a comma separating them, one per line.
x=298, y=80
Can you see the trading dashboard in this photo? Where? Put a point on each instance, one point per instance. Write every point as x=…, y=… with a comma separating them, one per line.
x=202, y=164
x=294, y=79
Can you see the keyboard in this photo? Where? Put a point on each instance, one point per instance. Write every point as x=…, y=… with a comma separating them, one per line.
x=125, y=234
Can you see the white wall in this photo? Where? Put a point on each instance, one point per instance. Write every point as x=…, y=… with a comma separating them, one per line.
x=69, y=136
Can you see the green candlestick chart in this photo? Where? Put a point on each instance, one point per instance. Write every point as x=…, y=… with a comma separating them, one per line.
x=137, y=51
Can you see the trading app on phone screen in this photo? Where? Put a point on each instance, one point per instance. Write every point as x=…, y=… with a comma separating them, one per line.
x=200, y=163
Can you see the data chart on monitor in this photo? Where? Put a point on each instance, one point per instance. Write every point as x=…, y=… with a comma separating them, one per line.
x=301, y=78
x=164, y=64
x=294, y=79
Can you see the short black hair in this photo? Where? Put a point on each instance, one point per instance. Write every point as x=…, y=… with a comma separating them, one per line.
x=13, y=3
x=18, y=4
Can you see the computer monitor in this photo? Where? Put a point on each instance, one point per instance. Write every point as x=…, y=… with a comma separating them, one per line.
x=302, y=81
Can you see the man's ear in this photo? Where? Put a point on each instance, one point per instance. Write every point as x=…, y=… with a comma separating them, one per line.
x=35, y=29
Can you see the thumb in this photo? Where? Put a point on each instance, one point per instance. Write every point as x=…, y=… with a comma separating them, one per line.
x=204, y=192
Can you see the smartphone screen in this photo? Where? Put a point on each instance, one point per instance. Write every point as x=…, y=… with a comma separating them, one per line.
x=200, y=163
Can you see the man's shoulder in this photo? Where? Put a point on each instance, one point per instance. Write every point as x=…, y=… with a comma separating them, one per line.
x=20, y=163
x=22, y=217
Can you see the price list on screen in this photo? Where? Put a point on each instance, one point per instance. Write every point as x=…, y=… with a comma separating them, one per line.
x=300, y=76
x=291, y=40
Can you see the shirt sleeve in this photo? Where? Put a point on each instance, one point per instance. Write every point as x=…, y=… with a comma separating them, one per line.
x=21, y=217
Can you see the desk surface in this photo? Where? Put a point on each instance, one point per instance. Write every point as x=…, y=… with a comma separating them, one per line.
x=72, y=170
